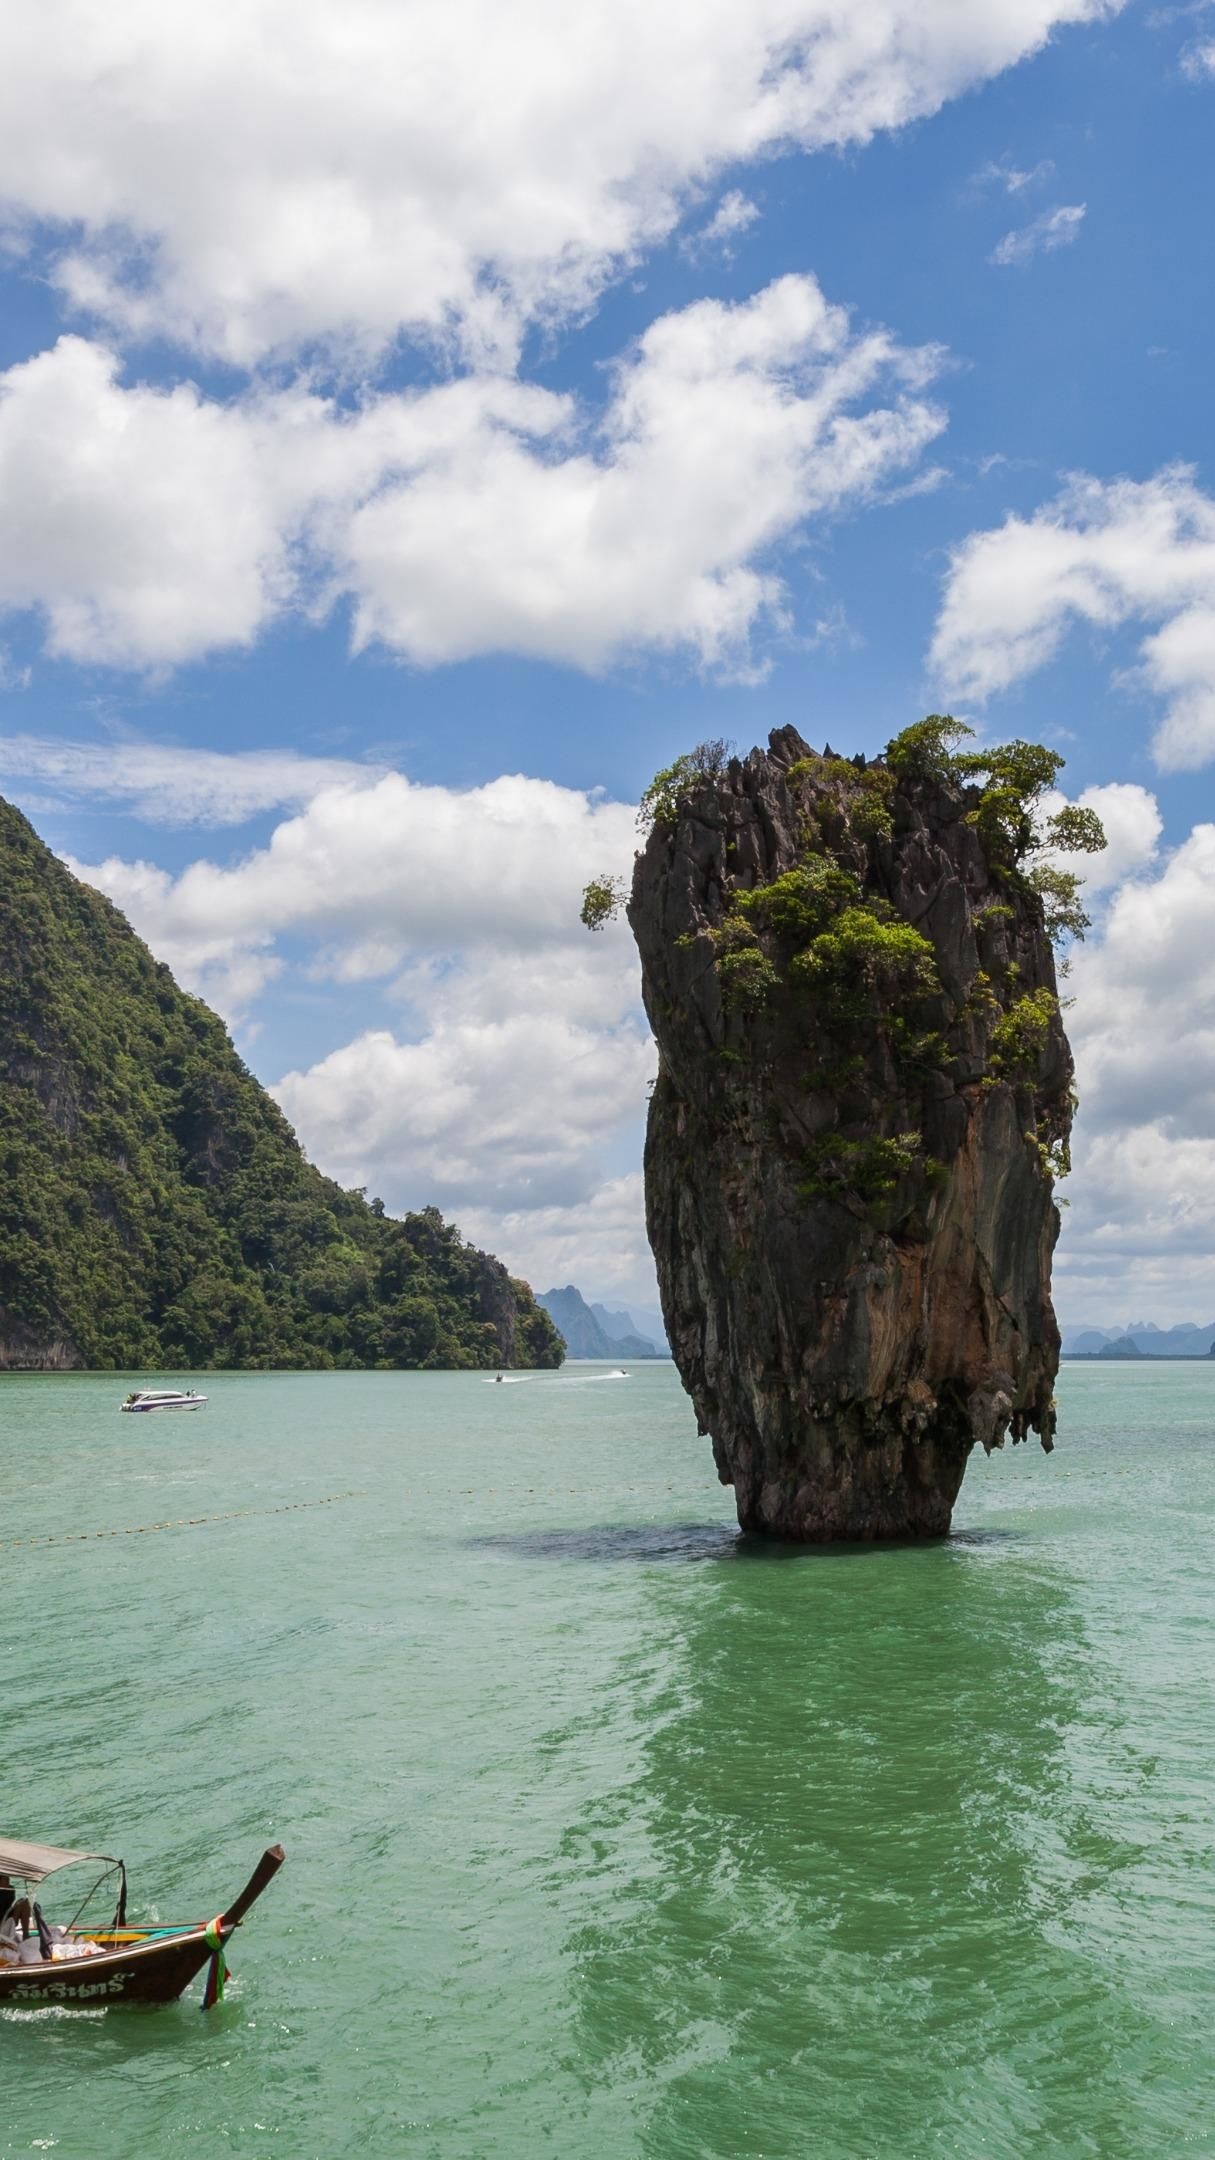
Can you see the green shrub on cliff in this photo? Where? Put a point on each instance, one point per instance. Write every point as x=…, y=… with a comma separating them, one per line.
x=155, y=1207
x=927, y=750
x=802, y=902
x=868, y=949
x=1019, y=1035
x=1008, y=816
x=660, y=800
x=855, y=954
x=602, y=900
x=860, y=793
x=747, y=976
x=869, y=1169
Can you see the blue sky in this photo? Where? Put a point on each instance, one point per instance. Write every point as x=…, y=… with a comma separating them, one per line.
x=418, y=424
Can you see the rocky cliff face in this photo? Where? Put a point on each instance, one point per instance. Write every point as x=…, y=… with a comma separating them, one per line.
x=24, y=1349
x=864, y=1090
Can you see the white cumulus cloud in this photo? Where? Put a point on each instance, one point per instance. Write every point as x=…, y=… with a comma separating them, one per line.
x=512, y=1111
x=727, y=428
x=143, y=523
x=1104, y=553
x=1140, y=1229
x=152, y=526
x=388, y=874
x=1149, y=981
x=256, y=176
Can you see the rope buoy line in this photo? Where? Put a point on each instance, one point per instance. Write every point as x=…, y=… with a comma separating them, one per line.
x=295, y=1507
x=178, y=1522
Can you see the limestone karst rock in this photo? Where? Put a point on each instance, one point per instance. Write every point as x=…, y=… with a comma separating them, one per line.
x=864, y=1091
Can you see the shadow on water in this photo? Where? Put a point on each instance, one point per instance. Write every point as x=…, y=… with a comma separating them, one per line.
x=653, y=1543
x=857, y=1928
x=614, y=1542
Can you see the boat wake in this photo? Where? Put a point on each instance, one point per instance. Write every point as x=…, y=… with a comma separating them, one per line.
x=519, y=1379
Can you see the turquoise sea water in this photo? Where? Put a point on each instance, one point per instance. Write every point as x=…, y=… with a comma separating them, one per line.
x=608, y=1834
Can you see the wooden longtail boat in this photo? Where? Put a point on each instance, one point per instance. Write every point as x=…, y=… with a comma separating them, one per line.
x=134, y=1965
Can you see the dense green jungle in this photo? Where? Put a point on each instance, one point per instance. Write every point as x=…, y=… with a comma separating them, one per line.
x=156, y=1208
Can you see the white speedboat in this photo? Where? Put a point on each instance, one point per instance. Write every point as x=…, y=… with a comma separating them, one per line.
x=164, y=1399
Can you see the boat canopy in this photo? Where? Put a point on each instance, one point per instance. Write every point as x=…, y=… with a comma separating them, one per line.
x=34, y=1862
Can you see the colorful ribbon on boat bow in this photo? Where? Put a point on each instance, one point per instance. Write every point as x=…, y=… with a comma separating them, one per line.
x=217, y=1971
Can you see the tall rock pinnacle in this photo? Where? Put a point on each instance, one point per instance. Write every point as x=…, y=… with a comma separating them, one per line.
x=864, y=1094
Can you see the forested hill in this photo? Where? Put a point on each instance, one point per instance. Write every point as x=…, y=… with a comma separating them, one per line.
x=155, y=1207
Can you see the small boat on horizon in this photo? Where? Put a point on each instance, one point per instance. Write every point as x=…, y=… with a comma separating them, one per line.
x=83, y=1968
x=164, y=1399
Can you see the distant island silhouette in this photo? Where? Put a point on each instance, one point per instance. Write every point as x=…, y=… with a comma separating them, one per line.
x=1141, y=1339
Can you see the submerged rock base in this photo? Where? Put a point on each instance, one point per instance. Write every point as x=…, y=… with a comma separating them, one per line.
x=852, y=1136
x=851, y=1484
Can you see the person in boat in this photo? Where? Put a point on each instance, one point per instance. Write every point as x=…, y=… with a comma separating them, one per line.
x=14, y=1927
x=498, y=1380
x=7, y=1894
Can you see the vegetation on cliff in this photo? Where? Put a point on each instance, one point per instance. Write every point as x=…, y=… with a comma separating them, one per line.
x=155, y=1206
